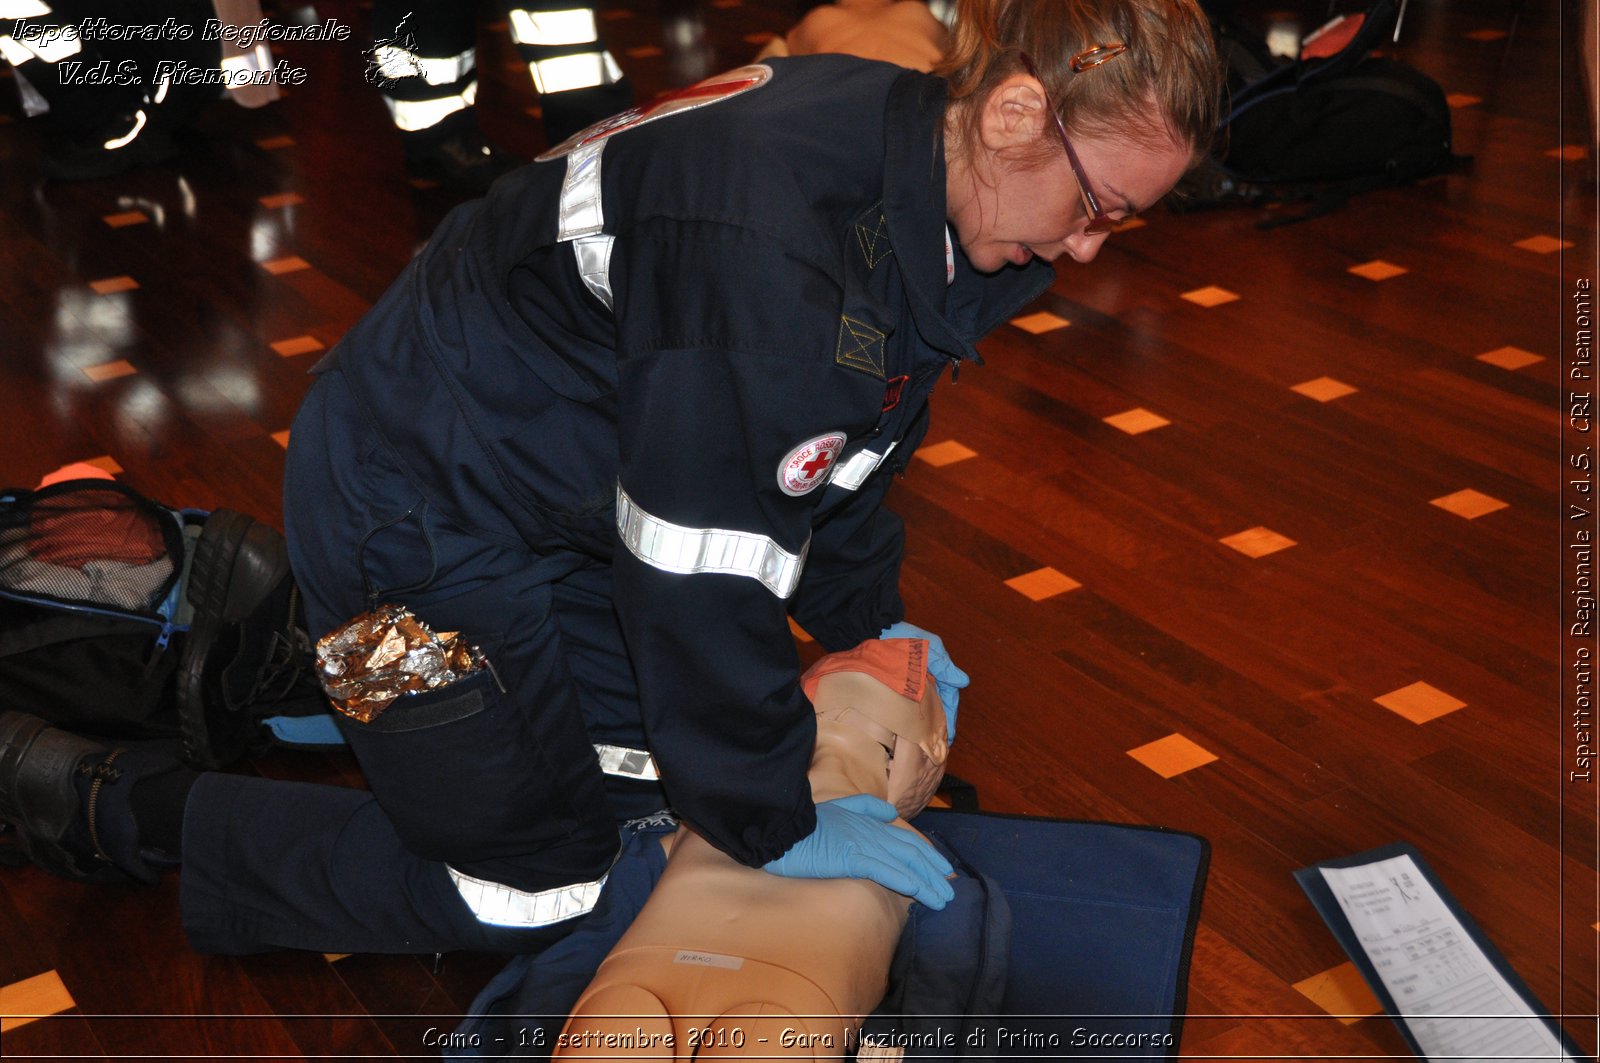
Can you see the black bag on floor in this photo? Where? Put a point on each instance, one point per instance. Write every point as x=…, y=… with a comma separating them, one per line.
x=127, y=619
x=1321, y=130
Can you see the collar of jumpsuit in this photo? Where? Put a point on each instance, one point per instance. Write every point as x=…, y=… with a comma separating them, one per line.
x=951, y=302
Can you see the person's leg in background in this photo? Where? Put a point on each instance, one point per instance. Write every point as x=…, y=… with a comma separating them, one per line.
x=106, y=110
x=578, y=80
x=424, y=61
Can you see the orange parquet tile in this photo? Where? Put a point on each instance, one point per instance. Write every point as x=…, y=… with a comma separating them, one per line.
x=1378, y=270
x=1341, y=992
x=1469, y=504
x=1420, y=702
x=1136, y=420
x=1324, y=389
x=1172, y=755
x=1042, y=583
x=1542, y=245
x=297, y=345
x=1510, y=357
x=109, y=370
x=947, y=453
x=112, y=285
x=291, y=264
x=1258, y=542
x=32, y=998
x=1043, y=321
x=1210, y=296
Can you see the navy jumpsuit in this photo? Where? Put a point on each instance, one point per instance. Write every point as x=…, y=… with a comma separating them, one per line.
x=617, y=423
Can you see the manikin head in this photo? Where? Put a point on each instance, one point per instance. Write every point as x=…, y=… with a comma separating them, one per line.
x=882, y=689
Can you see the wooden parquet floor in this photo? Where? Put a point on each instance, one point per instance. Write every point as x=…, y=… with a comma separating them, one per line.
x=1261, y=535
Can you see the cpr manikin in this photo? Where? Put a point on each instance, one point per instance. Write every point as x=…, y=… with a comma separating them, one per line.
x=727, y=960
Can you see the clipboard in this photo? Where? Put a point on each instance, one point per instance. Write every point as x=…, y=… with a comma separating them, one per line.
x=1448, y=989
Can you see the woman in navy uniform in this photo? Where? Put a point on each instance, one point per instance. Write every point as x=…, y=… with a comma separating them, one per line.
x=626, y=417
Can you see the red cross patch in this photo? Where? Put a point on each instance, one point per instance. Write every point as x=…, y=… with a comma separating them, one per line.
x=810, y=465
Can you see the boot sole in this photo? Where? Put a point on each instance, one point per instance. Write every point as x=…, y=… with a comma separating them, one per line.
x=219, y=599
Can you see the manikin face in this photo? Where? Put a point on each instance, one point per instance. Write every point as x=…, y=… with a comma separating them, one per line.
x=1003, y=210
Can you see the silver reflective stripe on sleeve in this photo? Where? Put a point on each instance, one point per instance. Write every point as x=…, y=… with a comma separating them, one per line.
x=499, y=905
x=853, y=473
x=698, y=551
x=573, y=26
x=582, y=216
x=631, y=763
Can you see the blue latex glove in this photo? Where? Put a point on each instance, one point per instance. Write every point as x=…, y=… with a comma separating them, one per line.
x=855, y=839
x=950, y=679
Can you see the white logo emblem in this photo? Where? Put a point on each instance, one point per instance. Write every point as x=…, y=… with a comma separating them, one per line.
x=811, y=464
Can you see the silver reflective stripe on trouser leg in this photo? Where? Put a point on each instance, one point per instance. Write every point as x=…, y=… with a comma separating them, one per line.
x=853, y=473
x=628, y=763
x=564, y=73
x=412, y=115
x=499, y=905
x=394, y=62
x=698, y=551
x=575, y=25
x=582, y=217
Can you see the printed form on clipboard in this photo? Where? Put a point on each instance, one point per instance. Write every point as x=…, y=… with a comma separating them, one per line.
x=1452, y=994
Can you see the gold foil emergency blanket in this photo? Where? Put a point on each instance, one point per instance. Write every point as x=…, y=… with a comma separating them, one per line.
x=379, y=656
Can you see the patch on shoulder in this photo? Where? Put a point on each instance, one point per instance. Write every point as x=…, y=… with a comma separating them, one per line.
x=873, y=236
x=860, y=346
x=712, y=90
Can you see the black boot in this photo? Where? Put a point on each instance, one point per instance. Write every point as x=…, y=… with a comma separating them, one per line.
x=68, y=798
x=455, y=154
x=245, y=649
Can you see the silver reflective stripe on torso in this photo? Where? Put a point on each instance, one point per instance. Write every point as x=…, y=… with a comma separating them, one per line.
x=692, y=551
x=499, y=905
x=629, y=763
x=583, y=216
x=853, y=473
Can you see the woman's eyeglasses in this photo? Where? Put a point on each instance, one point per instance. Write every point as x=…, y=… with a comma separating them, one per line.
x=1099, y=221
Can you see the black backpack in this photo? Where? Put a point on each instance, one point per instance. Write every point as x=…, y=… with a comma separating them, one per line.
x=1320, y=130
x=122, y=618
